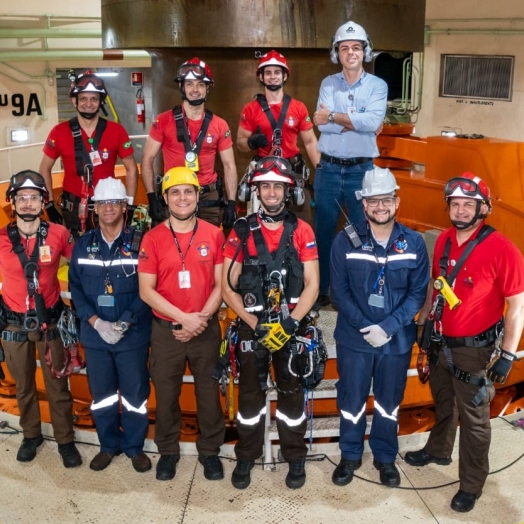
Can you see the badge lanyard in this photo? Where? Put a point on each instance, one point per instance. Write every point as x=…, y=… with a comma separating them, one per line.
x=107, y=299
x=184, y=277
x=191, y=160
x=376, y=298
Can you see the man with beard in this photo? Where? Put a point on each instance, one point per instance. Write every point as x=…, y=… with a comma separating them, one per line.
x=379, y=280
x=30, y=254
x=270, y=265
x=115, y=329
x=180, y=270
x=89, y=146
x=274, y=121
x=486, y=273
x=190, y=135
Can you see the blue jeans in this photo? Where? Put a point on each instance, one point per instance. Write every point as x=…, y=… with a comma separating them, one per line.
x=334, y=183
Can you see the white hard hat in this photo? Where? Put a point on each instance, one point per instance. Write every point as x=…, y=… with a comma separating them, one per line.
x=378, y=181
x=351, y=31
x=110, y=189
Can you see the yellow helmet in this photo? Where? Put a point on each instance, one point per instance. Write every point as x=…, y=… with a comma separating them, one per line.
x=178, y=176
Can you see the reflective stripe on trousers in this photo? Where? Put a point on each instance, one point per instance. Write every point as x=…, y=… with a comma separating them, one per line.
x=253, y=421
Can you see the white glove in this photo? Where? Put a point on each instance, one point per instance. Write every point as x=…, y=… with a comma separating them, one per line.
x=108, y=331
x=375, y=335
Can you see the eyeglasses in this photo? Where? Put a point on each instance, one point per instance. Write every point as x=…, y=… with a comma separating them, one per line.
x=28, y=198
x=83, y=81
x=266, y=164
x=386, y=202
x=110, y=202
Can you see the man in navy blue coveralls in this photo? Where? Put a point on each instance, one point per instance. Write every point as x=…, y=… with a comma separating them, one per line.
x=115, y=330
x=378, y=289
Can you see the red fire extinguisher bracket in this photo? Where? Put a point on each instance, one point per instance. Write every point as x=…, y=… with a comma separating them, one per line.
x=140, y=107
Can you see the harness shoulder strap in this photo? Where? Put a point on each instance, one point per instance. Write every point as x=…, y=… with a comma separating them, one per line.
x=181, y=131
x=262, y=100
x=82, y=157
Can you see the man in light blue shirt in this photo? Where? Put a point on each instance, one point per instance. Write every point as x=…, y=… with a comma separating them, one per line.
x=350, y=110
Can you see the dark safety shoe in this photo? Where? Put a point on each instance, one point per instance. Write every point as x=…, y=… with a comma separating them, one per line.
x=343, y=473
x=464, y=501
x=241, y=477
x=166, y=467
x=389, y=475
x=213, y=469
x=102, y=460
x=141, y=462
x=423, y=458
x=296, y=476
x=70, y=456
x=27, y=450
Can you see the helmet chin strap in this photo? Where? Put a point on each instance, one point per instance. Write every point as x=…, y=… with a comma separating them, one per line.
x=88, y=116
x=198, y=102
x=464, y=225
x=183, y=219
x=273, y=213
x=27, y=217
x=273, y=87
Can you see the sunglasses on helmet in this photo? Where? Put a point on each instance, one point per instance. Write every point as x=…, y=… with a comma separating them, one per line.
x=266, y=164
x=197, y=70
x=83, y=81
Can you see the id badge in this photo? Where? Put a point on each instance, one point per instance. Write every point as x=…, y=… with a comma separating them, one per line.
x=352, y=109
x=106, y=300
x=184, y=280
x=45, y=253
x=191, y=161
x=95, y=158
x=376, y=300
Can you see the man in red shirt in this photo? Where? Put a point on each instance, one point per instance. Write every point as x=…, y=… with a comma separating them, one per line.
x=30, y=253
x=472, y=351
x=272, y=123
x=190, y=135
x=88, y=157
x=180, y=268
x=272, y=261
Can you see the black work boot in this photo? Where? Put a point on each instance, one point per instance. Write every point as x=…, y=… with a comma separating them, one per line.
x=423, y=458
x=464, y=501
x=241, y=477
x=213, y=469
x=343, y=473
x=70, y=456
x=297, y=473
x=166, y=467
x=27, y=450
x=389, y=475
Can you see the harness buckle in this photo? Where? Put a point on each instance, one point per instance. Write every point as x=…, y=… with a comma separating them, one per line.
x=247, y=346
x=30, y=322
x=464, y=376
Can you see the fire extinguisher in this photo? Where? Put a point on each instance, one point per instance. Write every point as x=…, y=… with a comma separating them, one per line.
x=140, y=107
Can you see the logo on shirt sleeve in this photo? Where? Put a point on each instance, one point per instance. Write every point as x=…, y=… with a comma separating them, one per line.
x=127, y=145
x=227, y=134
x=49, y=142
x=143, y=255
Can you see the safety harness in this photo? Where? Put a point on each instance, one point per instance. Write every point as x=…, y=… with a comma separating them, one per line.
x=84, y=168
x=433, y=327
x=37, y=316
x=275, y=126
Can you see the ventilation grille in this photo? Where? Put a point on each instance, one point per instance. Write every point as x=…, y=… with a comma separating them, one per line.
x=486, y=77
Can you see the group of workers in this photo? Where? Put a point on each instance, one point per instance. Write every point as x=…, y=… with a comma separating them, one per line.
x=147, y=303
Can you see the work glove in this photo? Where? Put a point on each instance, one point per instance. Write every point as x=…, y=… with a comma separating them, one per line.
x=230, y=215
x=156, y=207
x=257, y=140
x=272, y=336
x=53, y=213
x=108, y=331
x=130, y=212
x=375, y=335
x=500, y=365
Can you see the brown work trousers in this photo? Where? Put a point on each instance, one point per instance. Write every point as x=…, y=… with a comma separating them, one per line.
x=453, y=404
x=211, y=214
x=167, y=365
x=21, y=361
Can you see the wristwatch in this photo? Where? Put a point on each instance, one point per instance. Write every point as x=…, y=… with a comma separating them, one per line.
x=331, y=117
x=123, y=326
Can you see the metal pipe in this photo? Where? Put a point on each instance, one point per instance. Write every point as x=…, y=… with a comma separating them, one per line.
x=51, y=33
x=449, y=31
x=53, y=55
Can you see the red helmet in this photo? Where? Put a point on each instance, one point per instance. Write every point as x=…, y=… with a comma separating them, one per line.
x=194, y=69
x=88, y=82
x=273, y=58
x=469, y=186
x=273, y=169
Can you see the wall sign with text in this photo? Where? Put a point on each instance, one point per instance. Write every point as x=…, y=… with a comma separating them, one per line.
x=22, y=106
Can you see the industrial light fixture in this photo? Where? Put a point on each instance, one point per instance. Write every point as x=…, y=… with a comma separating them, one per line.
x=19, y=135
x=107, y=73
